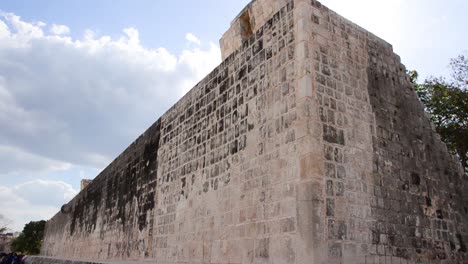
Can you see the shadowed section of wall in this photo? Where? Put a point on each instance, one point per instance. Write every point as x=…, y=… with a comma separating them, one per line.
x=418, y=186
x=121, y=198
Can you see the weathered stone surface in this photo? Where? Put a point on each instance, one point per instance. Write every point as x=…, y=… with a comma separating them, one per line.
x=306, y=145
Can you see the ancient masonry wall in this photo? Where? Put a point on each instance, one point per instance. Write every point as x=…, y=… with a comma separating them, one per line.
x=306, y=145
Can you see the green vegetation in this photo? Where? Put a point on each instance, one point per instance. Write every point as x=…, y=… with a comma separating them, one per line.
x=30, y=240
x=446, y=101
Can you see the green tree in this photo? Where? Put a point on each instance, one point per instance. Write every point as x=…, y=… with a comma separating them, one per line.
x=30, y=240
x=446, y=101
x=459, y=74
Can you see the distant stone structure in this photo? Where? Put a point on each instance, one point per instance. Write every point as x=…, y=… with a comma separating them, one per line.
x=5, y=242
x=84, y=183
x=306, y=145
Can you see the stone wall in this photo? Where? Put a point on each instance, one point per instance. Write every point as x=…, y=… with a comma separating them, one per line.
x=392, y=192
x=5, y=242
x=212, y=180
x=306, y=145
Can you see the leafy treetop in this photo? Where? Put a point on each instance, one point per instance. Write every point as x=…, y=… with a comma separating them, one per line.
x=447, y=103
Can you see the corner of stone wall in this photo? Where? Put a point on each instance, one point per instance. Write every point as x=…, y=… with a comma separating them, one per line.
x=310, y=196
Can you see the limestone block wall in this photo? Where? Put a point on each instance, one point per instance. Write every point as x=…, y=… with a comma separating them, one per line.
x=306, y=145
x=391, y=191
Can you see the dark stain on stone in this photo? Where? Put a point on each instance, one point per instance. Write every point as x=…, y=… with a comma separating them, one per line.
x=129, y=182
x=405, y=186
x=439, y=214
x=415, y=179
x=462, y=243
x=183, y=180
x=428, y=201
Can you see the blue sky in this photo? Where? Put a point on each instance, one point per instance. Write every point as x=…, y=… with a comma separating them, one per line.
x=160, y=23
x=80, y=80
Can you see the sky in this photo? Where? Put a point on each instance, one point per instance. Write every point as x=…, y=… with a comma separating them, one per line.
x=80, y=80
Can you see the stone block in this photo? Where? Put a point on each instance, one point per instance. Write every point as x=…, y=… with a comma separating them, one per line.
x=304, y=86
x=311, y=166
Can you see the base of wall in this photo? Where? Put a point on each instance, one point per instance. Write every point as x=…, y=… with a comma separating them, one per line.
x=50, y=260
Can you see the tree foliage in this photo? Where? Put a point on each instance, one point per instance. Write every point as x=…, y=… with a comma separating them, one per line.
x=446, y=101
x=459, y=67
x=30, y=240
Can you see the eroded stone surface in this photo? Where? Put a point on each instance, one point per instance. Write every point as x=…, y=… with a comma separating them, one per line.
x=306, y=145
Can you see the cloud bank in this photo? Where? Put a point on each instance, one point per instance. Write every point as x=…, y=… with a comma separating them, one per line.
x=82, y=101
x=68, y=102
x=33, y=201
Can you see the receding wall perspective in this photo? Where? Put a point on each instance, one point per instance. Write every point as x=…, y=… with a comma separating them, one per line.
x=306, y=145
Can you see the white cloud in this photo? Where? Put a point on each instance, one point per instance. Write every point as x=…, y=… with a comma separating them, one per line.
x=21, y=28
x=69, y=106
x=133, y=37
x=33, y=201
x=4, y=31
x=82, y=101
x=192, y=38
x=43, y=192
x=59, y=29
x=16, y=161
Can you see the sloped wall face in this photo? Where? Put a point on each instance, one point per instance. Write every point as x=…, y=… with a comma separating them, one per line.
x=391, y=191
x=113, y=215
x=213, y=181
x=418, y=187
